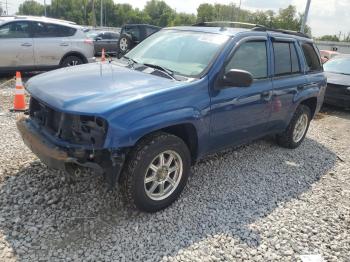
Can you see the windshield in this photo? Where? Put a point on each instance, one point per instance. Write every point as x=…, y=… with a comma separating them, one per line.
x=183, y=52
x=338, y=65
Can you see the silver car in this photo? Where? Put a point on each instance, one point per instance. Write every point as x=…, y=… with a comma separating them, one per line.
x=40, y=43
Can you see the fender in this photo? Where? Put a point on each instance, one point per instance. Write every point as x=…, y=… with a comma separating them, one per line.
x=310, y=91
x=130, y=135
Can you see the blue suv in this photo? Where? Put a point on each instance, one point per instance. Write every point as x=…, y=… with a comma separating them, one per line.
x=181, y=94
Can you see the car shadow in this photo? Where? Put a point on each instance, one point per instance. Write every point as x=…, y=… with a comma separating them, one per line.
x=43, y=215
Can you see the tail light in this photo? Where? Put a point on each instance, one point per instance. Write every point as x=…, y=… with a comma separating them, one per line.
x=89, y=41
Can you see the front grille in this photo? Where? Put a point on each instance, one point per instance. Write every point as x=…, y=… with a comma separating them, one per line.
x=82, y=130
x=44, y=115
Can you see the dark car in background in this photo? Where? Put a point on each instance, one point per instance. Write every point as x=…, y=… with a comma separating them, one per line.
x=338, y=84
x=107, y=40
x=132, y=34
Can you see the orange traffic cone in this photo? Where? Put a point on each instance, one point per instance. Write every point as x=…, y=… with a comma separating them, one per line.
x=103, y=56
x=19, y=103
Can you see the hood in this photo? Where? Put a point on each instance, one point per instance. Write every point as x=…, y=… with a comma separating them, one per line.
x=338, y=79
x=95, y=88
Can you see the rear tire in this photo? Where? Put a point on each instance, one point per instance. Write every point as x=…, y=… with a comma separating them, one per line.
x=296, y=131
x=156, y=172
x=71, y=60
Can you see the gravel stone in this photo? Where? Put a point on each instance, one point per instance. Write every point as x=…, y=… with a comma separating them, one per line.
x=257, y=202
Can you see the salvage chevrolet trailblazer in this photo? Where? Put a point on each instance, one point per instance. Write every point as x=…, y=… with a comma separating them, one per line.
x=179, y=95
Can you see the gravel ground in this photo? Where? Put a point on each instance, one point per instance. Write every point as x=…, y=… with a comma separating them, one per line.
x=257, y=203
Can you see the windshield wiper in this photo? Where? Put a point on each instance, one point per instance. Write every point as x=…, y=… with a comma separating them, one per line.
x=130, y=60
x=161, y=68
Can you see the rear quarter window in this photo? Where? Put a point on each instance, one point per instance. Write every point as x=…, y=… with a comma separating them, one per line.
x=313, y=62
x=285, y=58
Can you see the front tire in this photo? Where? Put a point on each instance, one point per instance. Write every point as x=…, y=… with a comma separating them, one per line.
x=156, y=172
x=296, y=131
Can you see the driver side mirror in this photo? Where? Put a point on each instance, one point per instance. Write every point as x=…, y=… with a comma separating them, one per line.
x=98, y=38
x=237, y=78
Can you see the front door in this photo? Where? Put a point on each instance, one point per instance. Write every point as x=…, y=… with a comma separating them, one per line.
x=239, y=114
x=16, y=45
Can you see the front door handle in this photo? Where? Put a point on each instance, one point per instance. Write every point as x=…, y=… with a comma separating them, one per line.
x=63, y=44
x=26, y=44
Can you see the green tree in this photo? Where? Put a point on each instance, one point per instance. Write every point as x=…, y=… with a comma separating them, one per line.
x=159, y=12
x=31, y=7
x=205, y=13
x=184, y=19
x=333, y=38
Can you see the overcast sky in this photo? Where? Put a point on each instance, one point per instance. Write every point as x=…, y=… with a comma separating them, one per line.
x=326, y=16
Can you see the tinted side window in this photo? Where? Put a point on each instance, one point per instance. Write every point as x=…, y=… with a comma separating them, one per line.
x=294, y=58
x=286, y=58
x=252, y=57
x=53, y=30
x=106, y=36
x=114, y=35
x=311, y=57
x=133, y=31
x=15, y=30
x=150, y=30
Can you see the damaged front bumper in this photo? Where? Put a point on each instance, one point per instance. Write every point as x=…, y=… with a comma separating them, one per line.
x=103, y=161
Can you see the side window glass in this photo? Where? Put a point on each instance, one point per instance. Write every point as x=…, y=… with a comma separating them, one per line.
x=311, y=57
x=286, y=58
x=135, y=32
x=150, y=31
x=115, y=35
x=107, y=36
x=294, y=58
x=52, y=30
x=15, y=30
x=252, y=57
x=283, y=64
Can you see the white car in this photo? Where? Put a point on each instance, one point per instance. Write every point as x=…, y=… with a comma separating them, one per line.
x=39, y=43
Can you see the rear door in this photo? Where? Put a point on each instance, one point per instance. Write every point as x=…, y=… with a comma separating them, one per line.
x=51, y=43
x=288, y=80
x=16, y=45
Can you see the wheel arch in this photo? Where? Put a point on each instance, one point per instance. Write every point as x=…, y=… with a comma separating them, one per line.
x=74, y=53
x=185, y=131
x=310, y=102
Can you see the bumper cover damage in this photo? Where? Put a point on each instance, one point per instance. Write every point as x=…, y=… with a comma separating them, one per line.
x=107, y=162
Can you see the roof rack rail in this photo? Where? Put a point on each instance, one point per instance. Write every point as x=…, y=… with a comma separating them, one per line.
x=226, y=23
x=283, y=31
x=253, y=27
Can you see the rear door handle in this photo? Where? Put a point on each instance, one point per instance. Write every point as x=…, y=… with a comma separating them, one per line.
x=63, y=44
x=26, y=44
